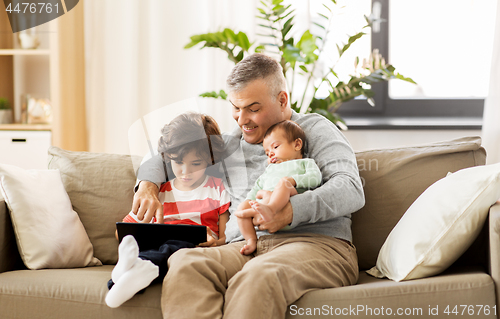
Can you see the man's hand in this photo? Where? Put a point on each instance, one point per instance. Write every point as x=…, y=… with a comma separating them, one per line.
x=146, y=204
x=281, y=219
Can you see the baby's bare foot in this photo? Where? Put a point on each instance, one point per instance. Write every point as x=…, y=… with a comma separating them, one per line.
x=249, y=247
x=264, y=210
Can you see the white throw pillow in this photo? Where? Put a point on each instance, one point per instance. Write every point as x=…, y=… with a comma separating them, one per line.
x=49, y=233
x=440, y=225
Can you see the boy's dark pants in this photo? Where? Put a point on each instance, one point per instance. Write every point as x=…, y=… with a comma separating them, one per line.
x=160, y=257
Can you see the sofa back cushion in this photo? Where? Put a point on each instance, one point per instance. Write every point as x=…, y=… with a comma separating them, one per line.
x=100, y=187
x=394, y=178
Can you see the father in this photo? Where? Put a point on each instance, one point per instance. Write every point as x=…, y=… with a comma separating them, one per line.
x=314, y=252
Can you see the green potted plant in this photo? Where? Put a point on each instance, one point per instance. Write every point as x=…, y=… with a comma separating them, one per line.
x=5, y=111
x=299, y=56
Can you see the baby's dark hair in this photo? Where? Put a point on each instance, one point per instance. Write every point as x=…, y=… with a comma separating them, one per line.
x=191, y=131
x=292, y=132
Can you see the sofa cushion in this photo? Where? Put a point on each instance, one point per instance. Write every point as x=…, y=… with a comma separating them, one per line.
x=394, y=178
x=100, y=187
x=70, y=293
x=383, y=298
x=440, y=225
x=48, y=232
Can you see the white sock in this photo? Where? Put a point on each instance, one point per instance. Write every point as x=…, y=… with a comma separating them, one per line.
x=142, y=273
x=128, y=251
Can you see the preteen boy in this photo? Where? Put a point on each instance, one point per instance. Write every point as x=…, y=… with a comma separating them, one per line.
x=190, y=143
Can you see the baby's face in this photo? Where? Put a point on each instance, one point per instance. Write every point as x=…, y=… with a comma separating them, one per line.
x=279, y=149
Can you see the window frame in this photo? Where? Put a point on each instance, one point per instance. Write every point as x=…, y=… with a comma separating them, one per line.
x=457, y=113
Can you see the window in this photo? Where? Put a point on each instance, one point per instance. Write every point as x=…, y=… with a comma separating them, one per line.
x=446, y=47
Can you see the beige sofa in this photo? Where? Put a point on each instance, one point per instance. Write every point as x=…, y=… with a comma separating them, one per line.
x=100, y=189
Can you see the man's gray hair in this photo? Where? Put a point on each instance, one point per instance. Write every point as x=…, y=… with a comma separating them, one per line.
x=254, y=67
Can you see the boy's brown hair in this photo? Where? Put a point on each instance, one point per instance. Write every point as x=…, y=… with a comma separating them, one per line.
x=191, y=131
x=292, y=132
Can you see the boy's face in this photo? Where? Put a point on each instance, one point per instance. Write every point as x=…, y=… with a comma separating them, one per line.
x=189, y=171
x=279, y=149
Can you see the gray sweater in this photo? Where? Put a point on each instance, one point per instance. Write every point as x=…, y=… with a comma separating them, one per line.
x=325, y=210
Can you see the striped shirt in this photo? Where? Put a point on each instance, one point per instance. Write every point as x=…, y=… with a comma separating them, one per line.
x=200, y=206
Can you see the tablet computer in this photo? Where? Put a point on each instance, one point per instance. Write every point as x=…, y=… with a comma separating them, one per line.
x=152, y=236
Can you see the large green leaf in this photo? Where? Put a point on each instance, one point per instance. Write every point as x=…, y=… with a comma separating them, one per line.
x=229, y=35
x=239, y=57
x=307, y=46
x=292, y=54
x=243, y=41
x=195, y=39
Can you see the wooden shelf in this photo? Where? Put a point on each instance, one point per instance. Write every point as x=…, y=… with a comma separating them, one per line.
x=25, y=127
x=24, y=52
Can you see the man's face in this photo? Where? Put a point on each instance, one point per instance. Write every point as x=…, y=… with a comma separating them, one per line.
x=255, y=110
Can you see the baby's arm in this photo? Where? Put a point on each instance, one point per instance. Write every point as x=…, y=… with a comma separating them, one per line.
x=311, y=177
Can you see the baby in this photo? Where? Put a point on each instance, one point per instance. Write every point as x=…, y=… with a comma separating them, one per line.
x=287, y=170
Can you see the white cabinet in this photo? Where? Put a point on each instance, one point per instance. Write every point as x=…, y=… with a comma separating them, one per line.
x=23, y=72
x=26, y=149
x=30, y=71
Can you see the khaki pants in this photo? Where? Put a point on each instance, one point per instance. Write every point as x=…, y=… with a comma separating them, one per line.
x=212, y=282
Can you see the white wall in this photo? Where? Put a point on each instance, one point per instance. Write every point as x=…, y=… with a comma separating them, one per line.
x=136, y=62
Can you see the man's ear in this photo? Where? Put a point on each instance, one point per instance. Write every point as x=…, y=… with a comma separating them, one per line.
x=298, y=144
x=283, y=99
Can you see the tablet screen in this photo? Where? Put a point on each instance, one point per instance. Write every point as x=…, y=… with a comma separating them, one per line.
x=152, y=236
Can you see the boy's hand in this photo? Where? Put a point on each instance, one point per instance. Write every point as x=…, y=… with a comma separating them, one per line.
x=209, y=243
x=212, y=242
x=146, y=204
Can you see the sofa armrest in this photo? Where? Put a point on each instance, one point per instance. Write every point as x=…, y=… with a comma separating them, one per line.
x=9, y=255
x=494, y=255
